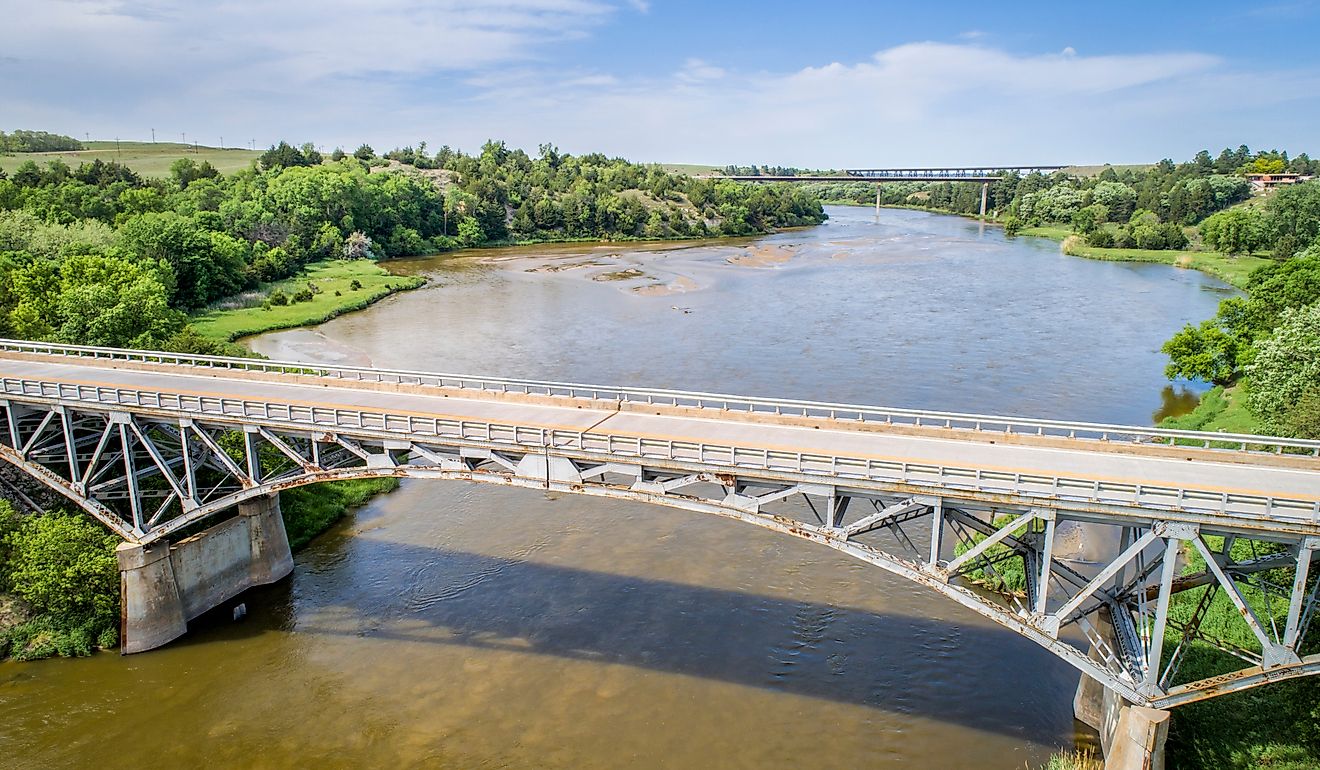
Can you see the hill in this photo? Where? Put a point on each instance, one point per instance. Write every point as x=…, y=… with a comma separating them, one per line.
x=146, y=158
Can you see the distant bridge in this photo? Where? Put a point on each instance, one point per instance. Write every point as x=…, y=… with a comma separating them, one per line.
x=154, y=445
x=982, y=174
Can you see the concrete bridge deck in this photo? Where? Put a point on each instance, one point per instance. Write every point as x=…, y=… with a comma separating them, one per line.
x=1145, y=465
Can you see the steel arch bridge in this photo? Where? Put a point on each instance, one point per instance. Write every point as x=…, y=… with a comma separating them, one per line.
x=153, y=445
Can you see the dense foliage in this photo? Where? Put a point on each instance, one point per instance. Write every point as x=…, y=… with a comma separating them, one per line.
x=62, y=566
x=37, y=141
x=1224, y=348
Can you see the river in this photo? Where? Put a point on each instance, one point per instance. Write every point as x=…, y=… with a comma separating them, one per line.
x=461, y=626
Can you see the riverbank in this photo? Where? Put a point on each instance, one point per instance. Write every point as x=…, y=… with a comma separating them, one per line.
x=331, y=288
x=1233, y=270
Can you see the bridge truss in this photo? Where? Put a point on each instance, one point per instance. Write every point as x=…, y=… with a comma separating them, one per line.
x=153, y=466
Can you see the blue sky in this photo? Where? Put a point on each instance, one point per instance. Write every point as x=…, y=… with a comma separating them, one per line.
x=795, y=83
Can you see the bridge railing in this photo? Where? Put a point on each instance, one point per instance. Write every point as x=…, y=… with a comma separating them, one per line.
x=870, y=415
x=1254, y=511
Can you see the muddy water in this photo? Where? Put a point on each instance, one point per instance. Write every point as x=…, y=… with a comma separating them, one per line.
x=461, y=626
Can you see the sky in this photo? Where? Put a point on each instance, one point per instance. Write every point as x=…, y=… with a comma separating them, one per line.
x=808, y=84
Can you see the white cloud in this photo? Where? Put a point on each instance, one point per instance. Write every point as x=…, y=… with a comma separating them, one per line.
x=460, y=71
x=696, y=70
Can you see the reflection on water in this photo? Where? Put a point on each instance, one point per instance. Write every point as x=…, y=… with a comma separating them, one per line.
x=461, y=626
x=1175, y=401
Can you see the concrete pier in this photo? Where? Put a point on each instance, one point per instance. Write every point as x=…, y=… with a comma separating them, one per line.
x=1132, y=737
x=164, y=585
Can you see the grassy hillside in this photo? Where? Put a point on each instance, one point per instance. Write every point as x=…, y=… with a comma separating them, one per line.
x=146, y=158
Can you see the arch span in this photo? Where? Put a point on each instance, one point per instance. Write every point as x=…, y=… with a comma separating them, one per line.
x=150, y=474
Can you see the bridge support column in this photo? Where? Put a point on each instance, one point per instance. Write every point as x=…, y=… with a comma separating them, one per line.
x=166, y=585
x=151, y=611
x=1132, y=737
x=985, y=196
x=271, y=557
x=877, y=200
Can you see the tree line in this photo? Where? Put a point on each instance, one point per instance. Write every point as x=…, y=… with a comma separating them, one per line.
x=37, y=141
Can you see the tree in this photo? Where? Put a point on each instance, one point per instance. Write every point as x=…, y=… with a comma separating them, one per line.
x=357, y=245
x=1295, y=211
x=283, y=155
x=64, y=564
x=1205, y=352
x=1286, y=370
x=1117, y=198
x=364, y=152
x=1235, y=231
x=1086, y=220
x=205, y=268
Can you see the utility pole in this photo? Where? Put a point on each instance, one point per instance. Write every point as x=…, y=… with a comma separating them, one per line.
x=117, y=152
x=183, y=136
x=153, y=136
x=222, y=142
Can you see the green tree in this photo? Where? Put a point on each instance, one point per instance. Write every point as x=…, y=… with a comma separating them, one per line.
x=1295, y=211
x=64, y=564
x=1235, y=231
x=1204, y=352
x=205, y=268
x=1286, y=370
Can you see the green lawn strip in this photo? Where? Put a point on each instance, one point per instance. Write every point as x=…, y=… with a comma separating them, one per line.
x=1227, y=268
x=334, y=278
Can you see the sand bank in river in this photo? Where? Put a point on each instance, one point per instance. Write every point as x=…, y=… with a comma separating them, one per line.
x=762, y=256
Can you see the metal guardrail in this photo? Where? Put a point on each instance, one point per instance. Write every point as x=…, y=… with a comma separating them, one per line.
x=721, y=457
x=998, y=424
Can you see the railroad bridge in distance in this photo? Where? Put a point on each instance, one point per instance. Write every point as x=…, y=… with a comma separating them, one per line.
x=985, y=175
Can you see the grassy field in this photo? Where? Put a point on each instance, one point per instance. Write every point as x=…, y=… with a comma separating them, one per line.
x=334, y=278
x=146, y=158
x=691, y=169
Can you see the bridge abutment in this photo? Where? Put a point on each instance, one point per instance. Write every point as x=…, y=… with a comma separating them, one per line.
x=165, y=585
x=1131, y=737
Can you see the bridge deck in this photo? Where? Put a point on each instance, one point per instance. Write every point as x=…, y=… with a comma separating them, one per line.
x=1084, y=461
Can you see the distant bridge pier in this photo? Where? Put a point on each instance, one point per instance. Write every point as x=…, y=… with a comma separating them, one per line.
x=985, y=194
x=164, y=585
x=877, y=200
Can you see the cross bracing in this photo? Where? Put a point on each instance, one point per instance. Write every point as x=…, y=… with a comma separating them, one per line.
x=153, y=448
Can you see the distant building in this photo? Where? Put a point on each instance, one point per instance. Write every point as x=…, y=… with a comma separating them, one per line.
x=1263, y=183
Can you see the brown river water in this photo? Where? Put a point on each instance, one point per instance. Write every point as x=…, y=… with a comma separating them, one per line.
x=460, y=626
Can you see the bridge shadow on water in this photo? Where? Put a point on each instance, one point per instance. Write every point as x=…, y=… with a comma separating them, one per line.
x=958, y=670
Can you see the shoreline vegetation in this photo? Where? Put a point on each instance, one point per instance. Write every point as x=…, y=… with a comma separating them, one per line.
x=1231, y=269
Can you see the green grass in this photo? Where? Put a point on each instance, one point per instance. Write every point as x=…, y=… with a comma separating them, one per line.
x=146, y=158
x=691, y=169
x=1228, y=268
x=1220, y=410
x=331, y=276
x=1056, y=232
x=1074, y=760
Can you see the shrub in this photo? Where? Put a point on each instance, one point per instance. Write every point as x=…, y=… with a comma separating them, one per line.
x=355, y=285
x=302, y=295
x=278, y=297
x=1101, y=239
